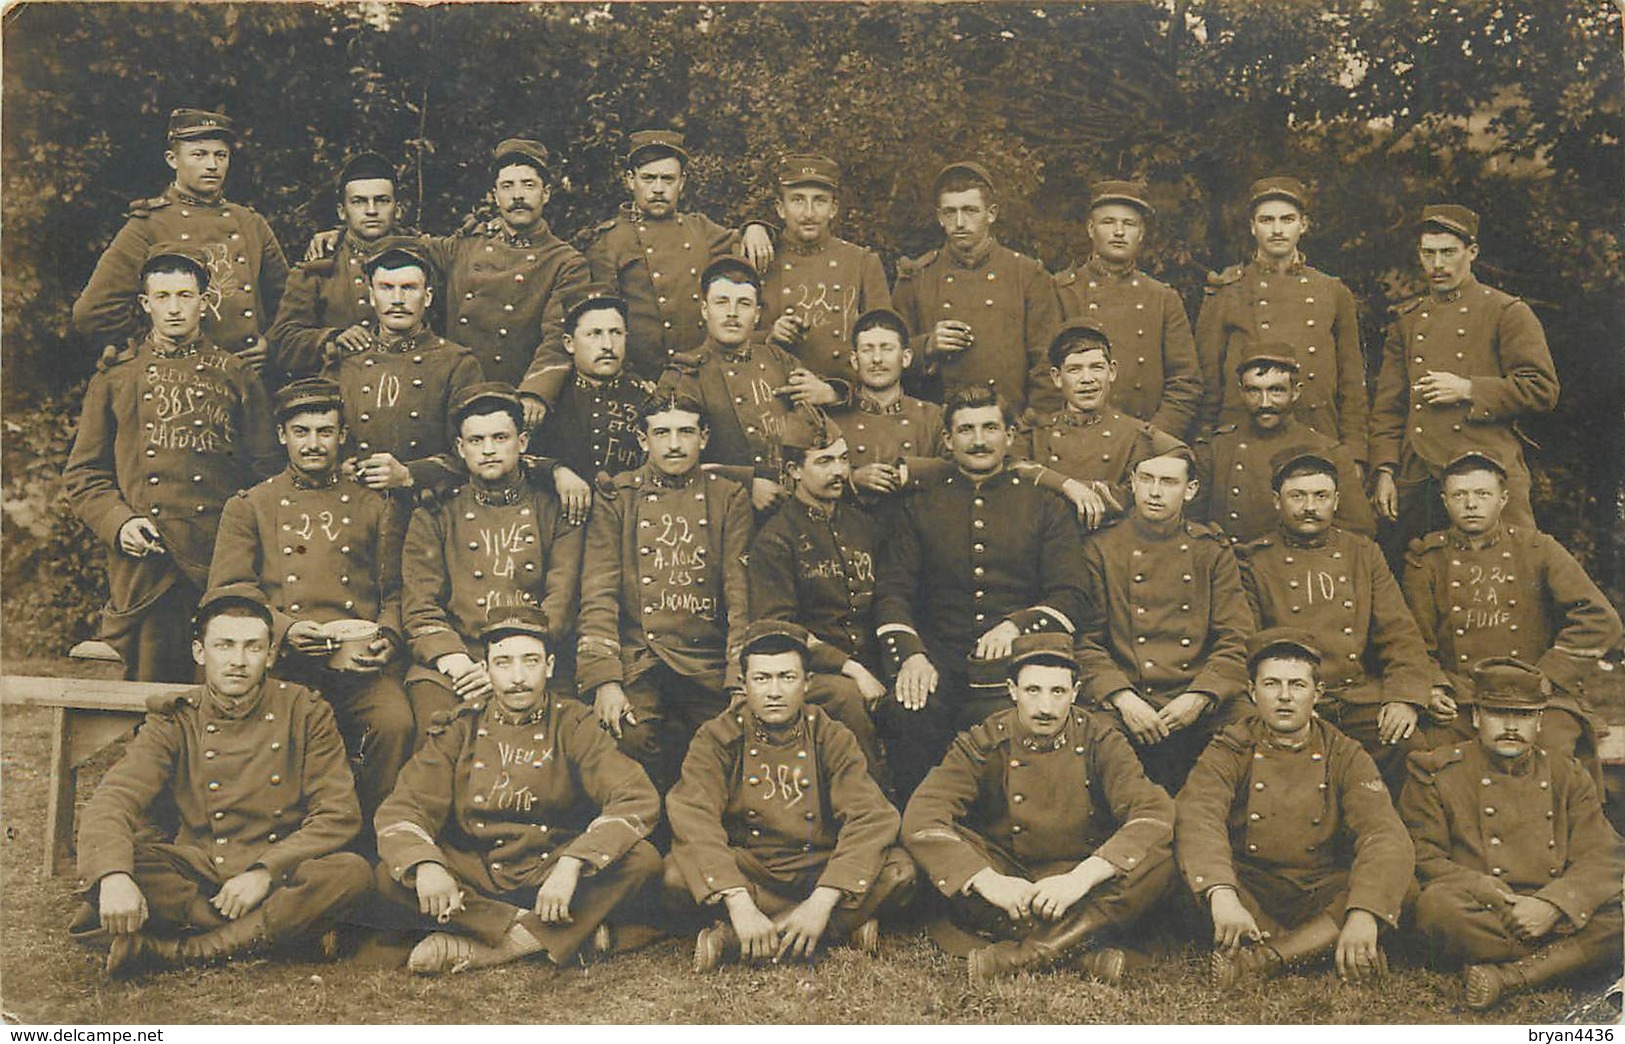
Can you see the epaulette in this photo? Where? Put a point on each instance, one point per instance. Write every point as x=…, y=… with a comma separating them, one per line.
x=140, y=208
x=1066, y=277
x=909, y=267
x=627, y=480
x=1210, y=530
x=169, y=703
x=1217, y=281
x=988, y=735
x=1248, y=547
x=1425, y=764
x=687, y=362
x=1428, y=542
x=115, y=355
x=441, y=720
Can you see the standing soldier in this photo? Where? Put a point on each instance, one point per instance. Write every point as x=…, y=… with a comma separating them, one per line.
x=172, y=426
x=1286, y=832
x=244, y=266
x=1375, y=672
x=1278, y=297
x=518, y=827
x=1143, y=318
x=1462, y=365
x=777, y=820
x=502, y=540
x=1484, y=587
x=327, y=309
x=255, y=770
x=819, y=284
x=1233, y=463
x=1040, y=827
x=978, y=312
x=1520, y=870
x=322, y=548
x=665, y=595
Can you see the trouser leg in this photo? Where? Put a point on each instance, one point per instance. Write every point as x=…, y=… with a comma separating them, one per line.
x=838, y=696
x=916, y=740
x=379, y=732
x=892, y=890
x=429, y=695
x=597, y=897
x=177, y=894
x=317, y=891
x=668, y=709
x=485, y=917
x=159, y=645
x=1358, y=721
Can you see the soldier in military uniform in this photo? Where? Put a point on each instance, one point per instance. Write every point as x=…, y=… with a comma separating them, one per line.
x=1157, y=380
x=1520, y=870
x=969, y=564
x=1376, y=676
x=322, y=548
x=746, y=388
x=171, y=427
x=665, y=595
x=1232, y=463
x=1462, y=365
x=777, y=820
x=1162, y=641
x=1276, y=296
x=327, y=308
x=819, y=283
x=1286, y=832
x=1041, y=828
x=978, y=313
x=245, y=266
x=519, y=827
x=255, y=769
x=1486, y=587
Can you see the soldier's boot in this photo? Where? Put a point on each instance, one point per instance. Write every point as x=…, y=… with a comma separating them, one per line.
x=244, y=935
x=1300, y=946
x=129, y=953
x=714, y=946
x=1488, y=983
x=1046, y=946
x=442, y=952
x=865, y=938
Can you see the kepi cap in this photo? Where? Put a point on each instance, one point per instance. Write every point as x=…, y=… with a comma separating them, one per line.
x=733, y=269
x=1505, y=683
x=1045, y=646
x=776, y=635
x=1285, y=460
x=1278, y=187
x=524, y=150
x=882, y=319
x=807, y=168
x=218, y=599
x=366, y=166
x=185, y=253
x=971, y=167
x=1276, y=639
x=586, y=298
x=1474, y=460
x=308, y=395
x=1451, y=217
x=493, y=391
x=1086, y=332
x=409, y=249
x=1134, y=193
x=808, y=427
x=191, y=124
x=645, y=146
x=506, y=621
x=1271, y=353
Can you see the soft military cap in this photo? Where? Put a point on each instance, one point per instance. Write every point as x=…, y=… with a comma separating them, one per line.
x=806, y=168
x=1474, y=460
x=1269, y=353
x=227, y=596
x=522, y=150
x=586, y=298
x=1285, y=460
x=191, y=124
x=509, y=620
x=880, y=319
x=733, y=269
x=1275, y=640
x=185, y=253
x=971, y=167
x=308, y=395
x=493, y=391
x=1451, y=217
x=1290, y=189
x=1134, y=193
x=807, y=427
x=1077, y=335
x=1045, y=646
x=646, y=146
x=780, y=635
x=1504, y=683
x=1159, y=443
x=396, y=251
x=366, y=166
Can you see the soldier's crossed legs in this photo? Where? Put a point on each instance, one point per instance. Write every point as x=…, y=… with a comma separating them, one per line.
x=1462, y=926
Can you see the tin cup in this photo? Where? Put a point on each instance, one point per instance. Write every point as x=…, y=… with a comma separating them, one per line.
x=353, y=638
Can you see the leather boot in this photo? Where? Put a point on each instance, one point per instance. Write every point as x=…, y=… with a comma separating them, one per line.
x=1488, y=983
x=129, y=953
x=443, y=952
x=245, y=934
x=1265, y=961
x=714, y=946
x=1045, y=946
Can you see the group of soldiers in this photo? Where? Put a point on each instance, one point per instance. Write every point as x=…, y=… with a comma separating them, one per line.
x=705, y=583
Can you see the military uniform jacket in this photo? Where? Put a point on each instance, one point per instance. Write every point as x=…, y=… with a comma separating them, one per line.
x=170, y=438
x=1339, y=589
x=665, y=579
x=1233, y=476
x=736, y=390
x=318, y=552
x=908, y=431
x=1008, y=300
x=827, y=288
x=1475, y=331
x=816, y=567
x=964, y=556
x=397, y=399
x=246, y=270
x=473, y=549
x=323, y=299
x=1094, y=448
x=264, y=782
x=593, y=428
x=806, y=803
x=1520, y=594
x=1166, y=614
x=505, y=298
x=1533, y=826
x=1157, y=376
x=1305, y=307
x=507, y=796
x=1077, y=794
x=1301, y=815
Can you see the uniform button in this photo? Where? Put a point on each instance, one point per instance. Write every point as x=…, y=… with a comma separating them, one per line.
x=214, y=784
x=208, y=755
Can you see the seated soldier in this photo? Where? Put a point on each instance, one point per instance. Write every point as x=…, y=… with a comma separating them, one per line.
x=1520, y=870
x=1287, y=831
x=1041, y=828
x=256, y=771
x=777, y=820
x=519, y=826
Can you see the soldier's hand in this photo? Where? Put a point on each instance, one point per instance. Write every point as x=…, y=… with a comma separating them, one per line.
x=1231, y=921
x=139, y=538
x=612, y=706
x=307, y=638
x=949, y=335
x=1396, y=721
x=438, y=894
x=1385, y=496
x=994, y=644
x=472, y=683
x=916, y=681
x=806, y=388
x=1443, y=388
x=355, y=338
x=872, y=689
x=553, y=898
x=1013, y=895
x=535, y=409
x=575, y=494
x=788, y=329
x=254, y=353
x=1058, y=893
x=764, y=493
x=1359, y=958
x=1139, y=717
x=1530, y=917
x=122, y=907
x=756, y=243
x=1441, y=705
x=802, y=927
x=877, y=478
x=322, y=244
x=242, y=893
x=382, y=471
x=377, y=656
x=758, y=938
x=1182, y=711
x=1092, y=507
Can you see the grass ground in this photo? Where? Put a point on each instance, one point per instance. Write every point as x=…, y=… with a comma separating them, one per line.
x=45, y=978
